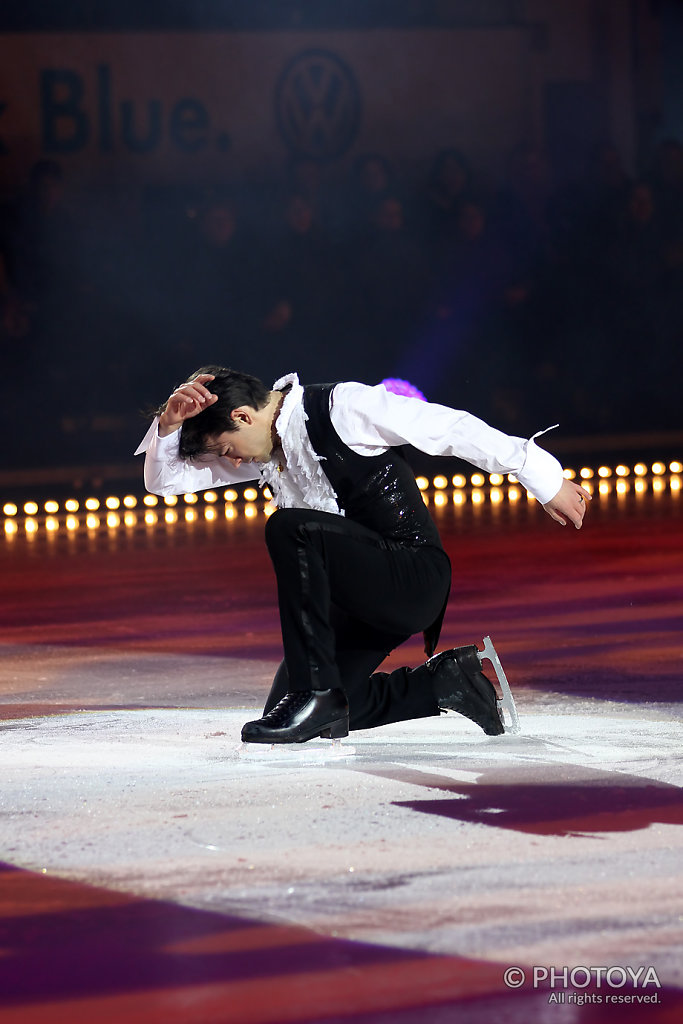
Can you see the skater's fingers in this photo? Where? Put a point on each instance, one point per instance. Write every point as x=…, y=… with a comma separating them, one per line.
x=197, y=396
x=194, y=390
x=569, y=504
x=556, y=516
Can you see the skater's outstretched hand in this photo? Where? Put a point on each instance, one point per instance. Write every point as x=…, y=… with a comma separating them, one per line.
x=569, y=504
x=186, y=401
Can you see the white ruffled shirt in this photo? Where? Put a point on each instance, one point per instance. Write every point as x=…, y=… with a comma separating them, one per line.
x=369, y=419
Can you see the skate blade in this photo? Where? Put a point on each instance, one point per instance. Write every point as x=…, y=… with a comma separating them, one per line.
x=296, y=753
x=506, y=703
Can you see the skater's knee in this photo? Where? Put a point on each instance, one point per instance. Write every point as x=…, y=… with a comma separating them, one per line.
x=282, y=525
x=289, y=528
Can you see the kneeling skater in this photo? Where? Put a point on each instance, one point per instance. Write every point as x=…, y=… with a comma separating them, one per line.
x=358, y=560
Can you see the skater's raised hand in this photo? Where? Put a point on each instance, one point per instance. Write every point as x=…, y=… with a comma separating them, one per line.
x=187, y=400
x=569, y=504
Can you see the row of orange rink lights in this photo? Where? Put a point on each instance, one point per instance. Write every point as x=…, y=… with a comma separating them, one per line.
x=150, y=509
x=130, y=510
x=603, y=481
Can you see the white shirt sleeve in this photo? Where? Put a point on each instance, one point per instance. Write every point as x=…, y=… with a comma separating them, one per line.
x=371, y=419
x=166, y=473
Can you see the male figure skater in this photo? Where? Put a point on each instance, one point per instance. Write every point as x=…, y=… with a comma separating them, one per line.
x=358, y=560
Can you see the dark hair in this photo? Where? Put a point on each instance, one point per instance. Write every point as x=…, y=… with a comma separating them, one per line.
x=234, y=389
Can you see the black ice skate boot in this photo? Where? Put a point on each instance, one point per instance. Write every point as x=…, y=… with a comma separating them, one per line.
x=460, y=685
x=302, y=715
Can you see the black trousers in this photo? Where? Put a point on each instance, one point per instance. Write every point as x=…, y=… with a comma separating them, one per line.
x=347, y=598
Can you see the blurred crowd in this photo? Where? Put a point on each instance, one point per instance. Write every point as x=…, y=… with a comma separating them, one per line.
x=528, y=301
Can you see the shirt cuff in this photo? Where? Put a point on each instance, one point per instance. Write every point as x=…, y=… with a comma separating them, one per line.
x=153, y=439
x=542, y=474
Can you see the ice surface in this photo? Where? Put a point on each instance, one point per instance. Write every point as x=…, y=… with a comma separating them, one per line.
x=431, y=836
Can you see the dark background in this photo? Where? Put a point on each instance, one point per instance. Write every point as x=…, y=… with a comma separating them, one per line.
x=550, y=289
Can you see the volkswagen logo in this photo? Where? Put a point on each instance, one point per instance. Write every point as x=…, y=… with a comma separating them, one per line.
x=317, y=104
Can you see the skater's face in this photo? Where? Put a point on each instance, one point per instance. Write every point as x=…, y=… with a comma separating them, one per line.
x=251, y=441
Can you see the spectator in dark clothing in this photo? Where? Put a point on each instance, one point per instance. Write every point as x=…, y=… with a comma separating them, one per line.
x=520, y=212
x=217, y=276
x=372, y=180
x=392, y=282
x=300, y=287
x=450, y=185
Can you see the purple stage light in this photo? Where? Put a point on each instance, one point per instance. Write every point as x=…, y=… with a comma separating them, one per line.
x=402, y=387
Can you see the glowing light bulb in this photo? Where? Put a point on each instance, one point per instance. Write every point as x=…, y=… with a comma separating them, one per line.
x=422, y=482
x=250, y=494
x=439, y=482
x=92, y=504
x=130, y=501
x=10, y=509
x=459, y=480
x=150, y=500
x=30, y=508
x=190, y=499
x=51, y=507
x=112, y=503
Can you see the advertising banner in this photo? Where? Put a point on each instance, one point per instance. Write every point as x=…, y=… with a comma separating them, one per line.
x=174, y=107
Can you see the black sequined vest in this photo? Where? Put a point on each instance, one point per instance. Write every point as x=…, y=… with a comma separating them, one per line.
x=377, y=491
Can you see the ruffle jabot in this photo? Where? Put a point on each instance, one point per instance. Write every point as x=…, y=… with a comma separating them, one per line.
x=302, y=483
